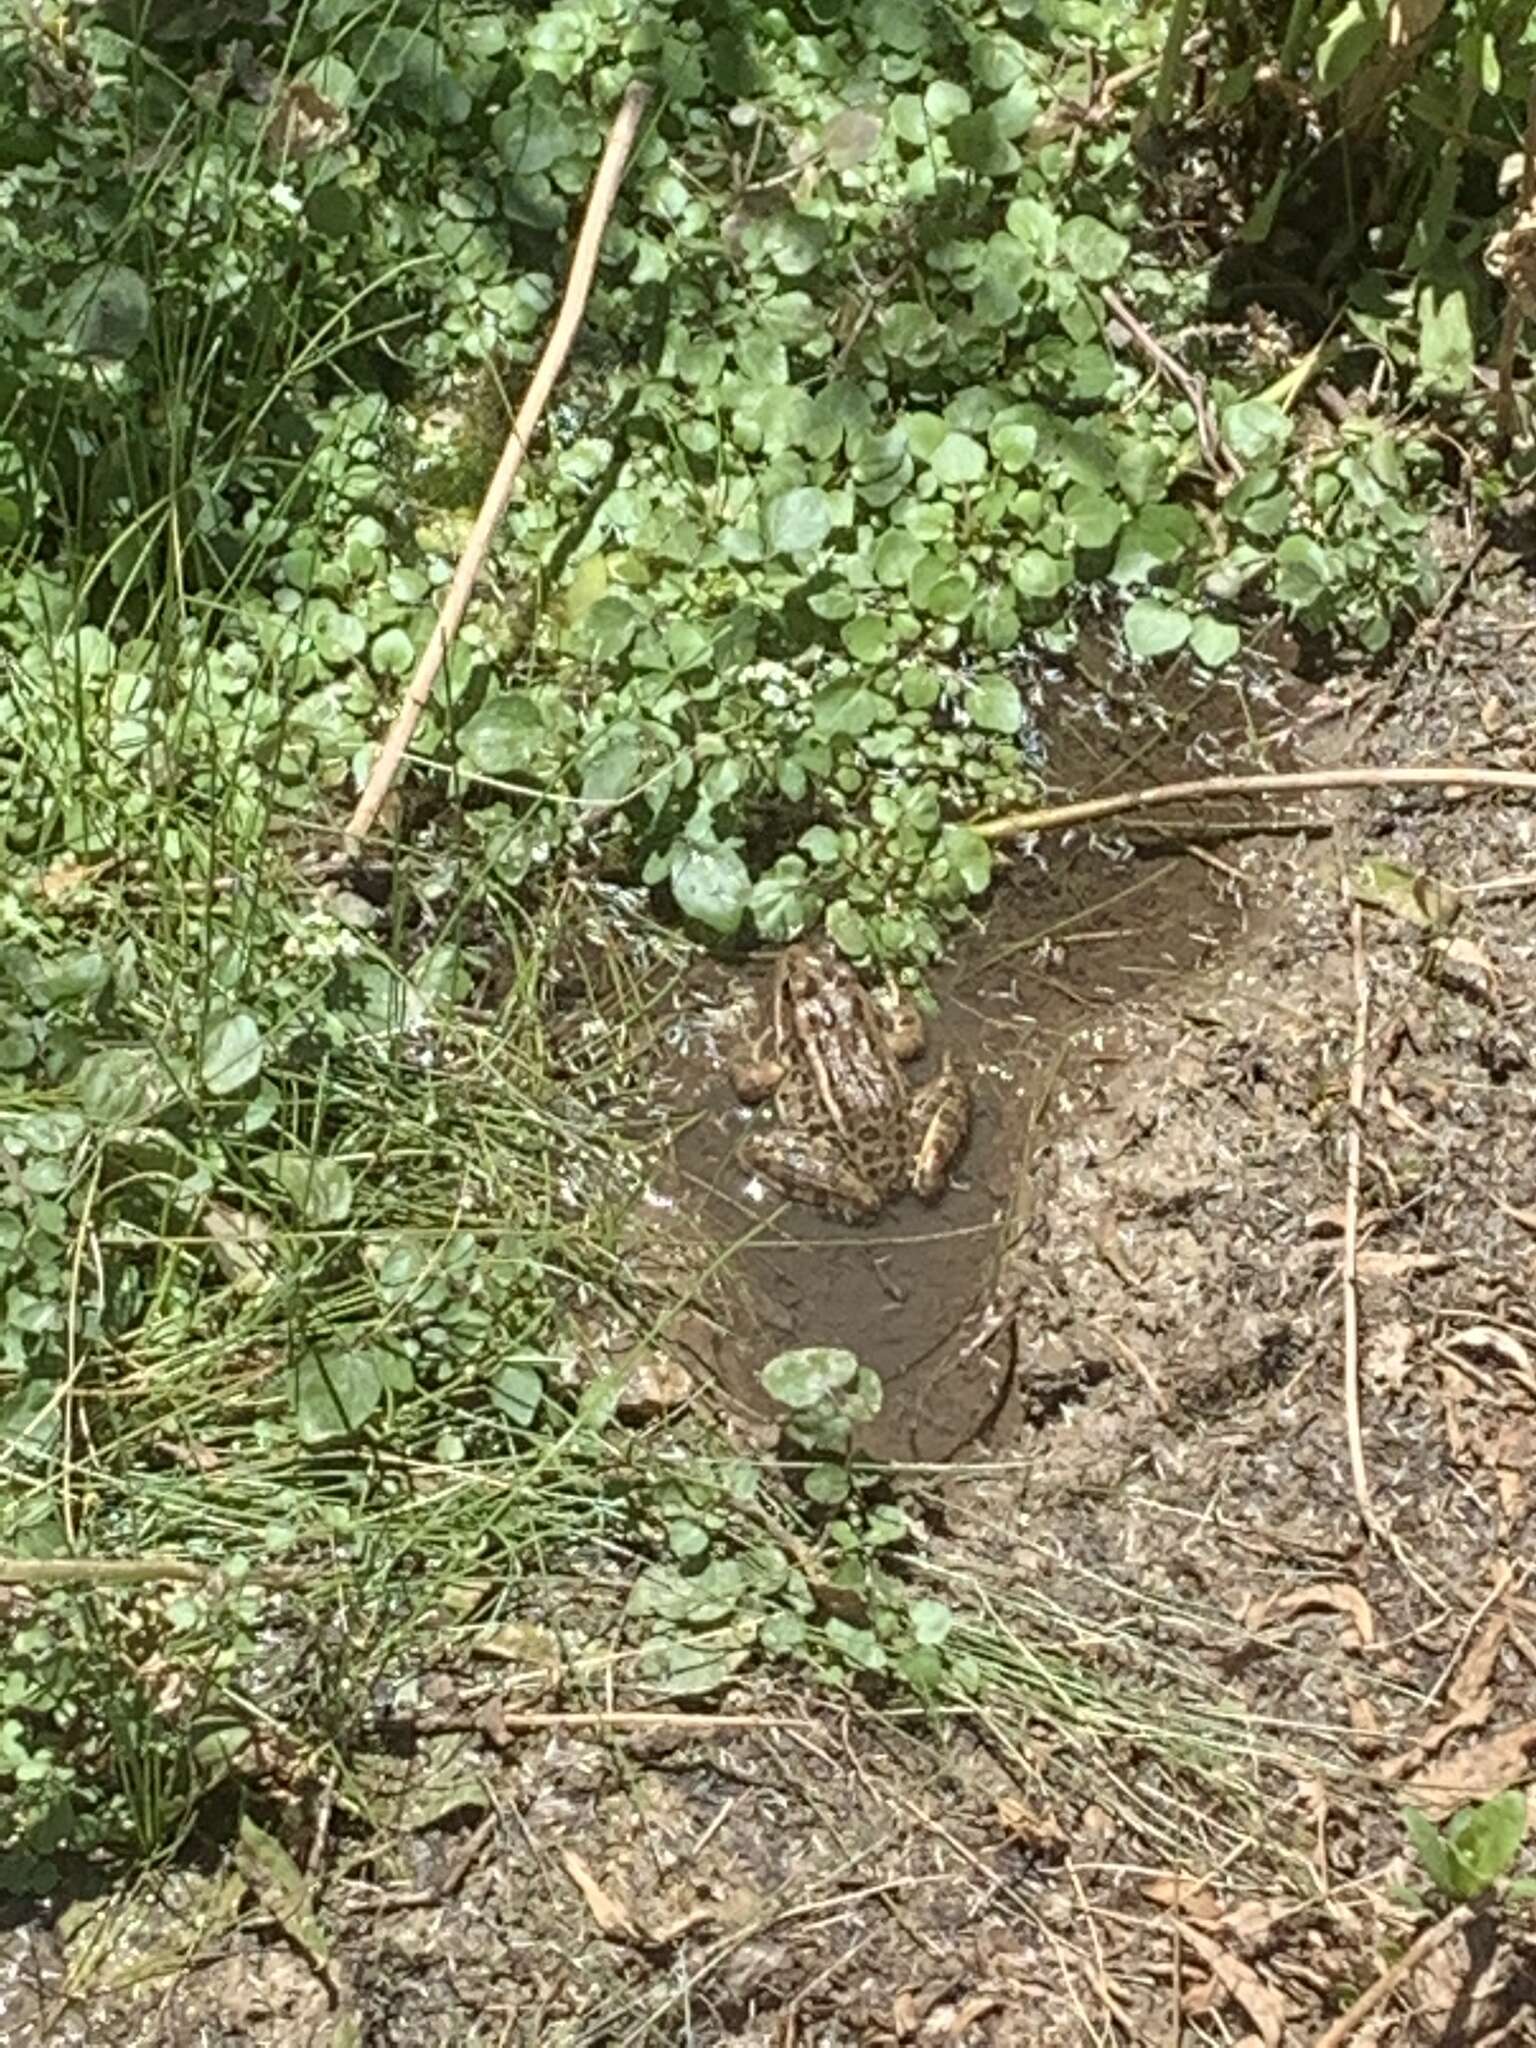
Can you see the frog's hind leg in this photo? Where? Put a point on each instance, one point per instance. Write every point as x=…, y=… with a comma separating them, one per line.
x=941, y=1123
x=809, y=1172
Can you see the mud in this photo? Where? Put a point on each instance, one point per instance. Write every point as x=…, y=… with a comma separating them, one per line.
x=1073, y=933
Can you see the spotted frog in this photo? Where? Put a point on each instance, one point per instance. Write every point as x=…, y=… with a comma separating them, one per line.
x=850, y=1132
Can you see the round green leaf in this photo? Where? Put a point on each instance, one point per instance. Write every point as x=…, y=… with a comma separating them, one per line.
x=121, y=1086
x=392, y=653
x=930, y=1621
x=798, y=521
x=1093, y=249
x=959, y=459
x=805, y=1378
x=828, y=1485
x=969, y=855
x=994, y=704
x=504, y=736
x=1214, y=641
x=106, y=312
x=516, y=1391
x=231, y=1053
x=1152, y=628
x=319, y=1188
x=711, y=885
x=1256, y=429
x=334, y=1397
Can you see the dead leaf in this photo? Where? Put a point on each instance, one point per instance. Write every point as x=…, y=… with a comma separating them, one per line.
x=953, y=2022
x=656, y=1386
x=1385, y=1357
x=1040, y=1830
x=1335, y=1595
x=1398, y=1265
x=302, y=123
x=1514, y=1456
x=1488, y=1337
x=1465, y=965
x=1476, y=1670
x=1232, y=1980
x=614, y=1919
x=59, y=882
x=611, y=1917
x=1477, y=1772
x=850, y=137
x=239, y=1242
x=1186, y=1896
x=1406, y=893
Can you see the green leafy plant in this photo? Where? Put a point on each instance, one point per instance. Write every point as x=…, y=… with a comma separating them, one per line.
x=1475, y=1849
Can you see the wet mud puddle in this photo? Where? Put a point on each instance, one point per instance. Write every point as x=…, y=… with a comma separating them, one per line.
x=1073, y=933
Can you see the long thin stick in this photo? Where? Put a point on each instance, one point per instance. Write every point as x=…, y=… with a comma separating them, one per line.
x=1052, y=817
x=605, y=187
x=1349, y=1264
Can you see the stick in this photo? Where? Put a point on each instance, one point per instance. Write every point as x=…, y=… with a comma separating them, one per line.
x=1219, y=457
x=1412, y=1956
x=621, y=140
x=1052, y=817
x=1349, y=1262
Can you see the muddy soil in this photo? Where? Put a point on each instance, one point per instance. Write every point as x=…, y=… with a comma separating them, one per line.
x=1074, y=932
x=1251, y=1618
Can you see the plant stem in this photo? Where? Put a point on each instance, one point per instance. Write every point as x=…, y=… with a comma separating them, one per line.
x=1169, y=70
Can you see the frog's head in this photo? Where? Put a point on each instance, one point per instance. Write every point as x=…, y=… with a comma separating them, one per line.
x=815, y=967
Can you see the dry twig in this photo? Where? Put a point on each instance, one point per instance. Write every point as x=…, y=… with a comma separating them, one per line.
x=1053, y=817
x=1218, y=456
x=1432, y=1938
x=1349, y=1264
x=621, y=140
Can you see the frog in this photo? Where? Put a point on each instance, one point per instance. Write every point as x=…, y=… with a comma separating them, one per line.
x=851, y=1133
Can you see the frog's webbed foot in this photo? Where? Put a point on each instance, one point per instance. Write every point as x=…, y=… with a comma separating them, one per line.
x=809, y=1171
x=941, y=1123
x=756, y=1070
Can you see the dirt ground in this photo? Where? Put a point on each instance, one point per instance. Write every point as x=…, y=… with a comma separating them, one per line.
x=1155, y=1473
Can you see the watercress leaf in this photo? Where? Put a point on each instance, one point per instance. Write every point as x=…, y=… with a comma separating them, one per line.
x=1214, y=641
x=1487, y=1837
x=1153, y=628
x=504, y=736
x=712, y=885
x=994, y=703
x=1096, y=251
x=798, y=521
x=231, y=1053
x=804, y=1378
x=334, y=1396
x=959, y=459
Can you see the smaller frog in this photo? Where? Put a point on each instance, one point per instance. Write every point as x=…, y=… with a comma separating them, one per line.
x=850, y=1132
